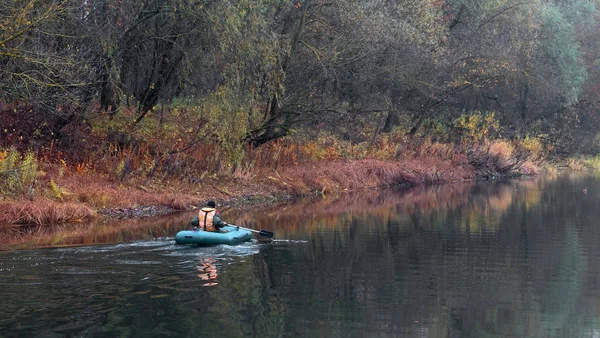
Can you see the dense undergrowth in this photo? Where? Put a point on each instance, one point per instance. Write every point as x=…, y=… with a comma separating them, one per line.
x=105, y=164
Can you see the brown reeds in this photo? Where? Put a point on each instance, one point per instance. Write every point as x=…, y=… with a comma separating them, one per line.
x=99, y=192
x=43, y=211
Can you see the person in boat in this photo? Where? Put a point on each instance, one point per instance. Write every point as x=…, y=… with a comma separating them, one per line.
x=208, y=219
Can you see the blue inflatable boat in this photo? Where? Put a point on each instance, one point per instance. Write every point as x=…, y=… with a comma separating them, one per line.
x=229, y=235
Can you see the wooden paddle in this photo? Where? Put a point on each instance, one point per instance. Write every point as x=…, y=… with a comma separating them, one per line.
x=265, y=233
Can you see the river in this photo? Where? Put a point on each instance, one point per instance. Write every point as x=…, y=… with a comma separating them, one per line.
x=516, y=258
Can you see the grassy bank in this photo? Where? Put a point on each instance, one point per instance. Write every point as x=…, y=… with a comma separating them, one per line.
x=58, y=192
x=286, y=218
x=103, y=166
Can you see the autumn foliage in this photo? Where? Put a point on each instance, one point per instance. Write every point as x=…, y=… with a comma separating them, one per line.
x=101, y=177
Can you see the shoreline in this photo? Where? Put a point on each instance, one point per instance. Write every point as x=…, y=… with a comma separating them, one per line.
x=87, y=196
x=83, y=197
x=105, y=230
x=120, y=226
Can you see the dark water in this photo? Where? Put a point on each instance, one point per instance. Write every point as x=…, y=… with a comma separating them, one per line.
x=490, y=259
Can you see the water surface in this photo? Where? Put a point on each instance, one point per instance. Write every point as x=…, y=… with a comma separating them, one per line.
x=488, y=259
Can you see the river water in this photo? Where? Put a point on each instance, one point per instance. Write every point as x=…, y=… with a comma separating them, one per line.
x=513, y=258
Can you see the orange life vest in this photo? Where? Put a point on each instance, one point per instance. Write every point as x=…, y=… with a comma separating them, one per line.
x=205, y=219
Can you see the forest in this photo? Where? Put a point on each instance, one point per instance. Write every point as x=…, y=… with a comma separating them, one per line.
x=215, y=97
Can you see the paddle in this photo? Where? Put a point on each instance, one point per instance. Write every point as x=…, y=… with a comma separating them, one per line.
x=265, y=233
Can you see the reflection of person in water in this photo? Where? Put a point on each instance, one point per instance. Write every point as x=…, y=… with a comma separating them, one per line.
x=208, y=271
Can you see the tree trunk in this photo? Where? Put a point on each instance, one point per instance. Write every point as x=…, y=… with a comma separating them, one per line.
x=523, y=100
x=390, y=121
x=109, y=94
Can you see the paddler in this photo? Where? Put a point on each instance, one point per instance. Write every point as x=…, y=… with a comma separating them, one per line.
x=208, y=219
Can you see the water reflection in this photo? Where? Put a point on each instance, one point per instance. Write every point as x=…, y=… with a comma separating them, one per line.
x=480, y=259
x=98, y=232
x=481, y=208
x=484, y=204
x=208, y=271
x=500, y=259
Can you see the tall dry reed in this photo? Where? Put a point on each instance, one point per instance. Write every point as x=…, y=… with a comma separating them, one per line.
x=43, y=211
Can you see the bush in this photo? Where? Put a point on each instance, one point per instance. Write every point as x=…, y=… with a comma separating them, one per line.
x=532, y=145
x=18, y=172
x=592, y=162
x=476, y=126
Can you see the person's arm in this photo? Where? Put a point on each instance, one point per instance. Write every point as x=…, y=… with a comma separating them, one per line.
x=217, y=222
x=194, y=221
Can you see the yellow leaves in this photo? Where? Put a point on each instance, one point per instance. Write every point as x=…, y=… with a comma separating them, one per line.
x=476, y=126
x=57, y=191
x=17, y=19
x=532, y=144
x=19, y=171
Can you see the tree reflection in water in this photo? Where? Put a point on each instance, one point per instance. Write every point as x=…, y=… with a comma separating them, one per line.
x=479, y=259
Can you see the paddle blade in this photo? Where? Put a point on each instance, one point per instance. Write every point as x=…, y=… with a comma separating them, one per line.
x=266, y=233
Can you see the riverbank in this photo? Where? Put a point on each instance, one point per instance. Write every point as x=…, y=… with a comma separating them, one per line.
x=80, y=197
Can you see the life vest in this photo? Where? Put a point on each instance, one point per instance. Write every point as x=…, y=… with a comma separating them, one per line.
x=205, y=219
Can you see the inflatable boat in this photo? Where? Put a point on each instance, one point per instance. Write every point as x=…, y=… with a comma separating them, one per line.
x=229, y=235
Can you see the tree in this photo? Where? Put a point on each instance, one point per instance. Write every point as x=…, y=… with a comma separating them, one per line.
x=44, y=63
x=145, y=49
x=343, y=60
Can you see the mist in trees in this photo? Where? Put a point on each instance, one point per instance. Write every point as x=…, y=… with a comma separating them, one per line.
x=276, y=67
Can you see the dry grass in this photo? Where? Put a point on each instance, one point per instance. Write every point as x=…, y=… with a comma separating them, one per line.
x=98, y=191
x=502, y=150
x=82, y=193
x=111, y=196
x=43, y=211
